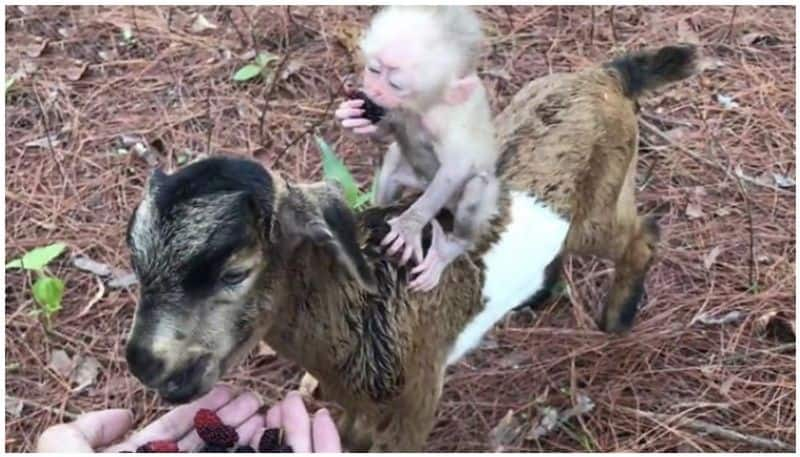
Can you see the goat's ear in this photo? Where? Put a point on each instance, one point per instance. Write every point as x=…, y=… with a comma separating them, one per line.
x=333, y=230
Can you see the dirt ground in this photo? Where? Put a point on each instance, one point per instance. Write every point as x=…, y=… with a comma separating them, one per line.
x=710, y=364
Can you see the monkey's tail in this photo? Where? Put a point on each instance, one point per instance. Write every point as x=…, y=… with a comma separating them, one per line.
x=648, y=70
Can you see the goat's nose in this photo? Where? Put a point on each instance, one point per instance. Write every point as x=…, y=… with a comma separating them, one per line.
x=186, y=383
x=143, y=364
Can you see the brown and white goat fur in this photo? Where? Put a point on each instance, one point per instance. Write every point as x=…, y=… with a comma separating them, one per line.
x=229, y=253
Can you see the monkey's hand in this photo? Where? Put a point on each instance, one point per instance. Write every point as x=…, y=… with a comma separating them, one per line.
x=406, y=230
x=351, y=115
x=444, y=249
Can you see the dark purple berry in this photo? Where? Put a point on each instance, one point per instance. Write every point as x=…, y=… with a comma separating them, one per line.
x=372, y=111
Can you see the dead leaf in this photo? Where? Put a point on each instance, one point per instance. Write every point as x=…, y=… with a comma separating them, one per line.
x=61, y=363
x=248, y=55
x=14, y=407
x=686, y=34
x=727, y=101
x=201, y=24
x=291, y=68
x=36, y=49
x=722, y=212
x=85, y=372
x=86, y=264
x=122, y=280
x=728, y=318
x=778, y=326
x=514, y=360
x=547, y=422
x=76, y=73
x=506, y=432
x=782, y=181
x=711, y=257
x=758, y=38
x=678, y=134
x=308, y=384
x=348, y=35
x=694, y=211
x=44, y=142
x=26, y=9
x=264, y=350
x=725, y=388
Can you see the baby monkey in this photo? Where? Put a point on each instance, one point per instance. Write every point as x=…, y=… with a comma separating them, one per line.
x=421, y=64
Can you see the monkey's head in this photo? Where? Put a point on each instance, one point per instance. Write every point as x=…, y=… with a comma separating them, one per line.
x=209, y=244
x=419, y=56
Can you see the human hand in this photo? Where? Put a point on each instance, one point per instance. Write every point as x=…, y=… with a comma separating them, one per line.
x=351, y=115
x=301, y=432
x=98, y=430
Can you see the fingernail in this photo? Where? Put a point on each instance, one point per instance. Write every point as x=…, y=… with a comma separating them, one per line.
x=323, y=412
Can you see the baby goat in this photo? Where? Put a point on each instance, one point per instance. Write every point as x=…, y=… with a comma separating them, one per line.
x=229, y=253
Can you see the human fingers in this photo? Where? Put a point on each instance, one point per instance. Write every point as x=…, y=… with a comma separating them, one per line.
x=272, y=420
x=366, y=130
x=236, y=412
x=356, y=122
x=250, y=429
x=178, y=422
x=88, y=432
x=296, y=423
x=347, y=113
x=324, y=436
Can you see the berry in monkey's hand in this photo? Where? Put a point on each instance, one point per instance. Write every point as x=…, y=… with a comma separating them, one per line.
x=372, y=110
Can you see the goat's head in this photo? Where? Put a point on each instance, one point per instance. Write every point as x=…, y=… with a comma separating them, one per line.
x=208, y=244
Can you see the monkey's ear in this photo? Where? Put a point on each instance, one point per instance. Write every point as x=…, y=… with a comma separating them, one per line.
x=334, y=230
x=461, y=90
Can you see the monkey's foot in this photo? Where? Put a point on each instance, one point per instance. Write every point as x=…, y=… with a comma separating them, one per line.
x=444, y=249
x=405, y=231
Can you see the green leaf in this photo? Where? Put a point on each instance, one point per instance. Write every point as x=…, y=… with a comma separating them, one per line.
x=48, y=292
x=127, y=33
x=362, y=200
x=264, y=58
x=38, y=258
x=10, y=83
x=247, y=72
x=334, y=169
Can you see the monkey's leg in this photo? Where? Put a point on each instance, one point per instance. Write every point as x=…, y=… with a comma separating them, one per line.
x=394, y=175
x=476, y=205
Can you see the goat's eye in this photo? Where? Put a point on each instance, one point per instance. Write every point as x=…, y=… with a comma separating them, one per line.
x=231, y=278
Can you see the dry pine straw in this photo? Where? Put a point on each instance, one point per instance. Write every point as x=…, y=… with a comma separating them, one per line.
x=175, y=86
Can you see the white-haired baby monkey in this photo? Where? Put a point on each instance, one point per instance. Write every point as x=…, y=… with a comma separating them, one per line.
x=421, y=64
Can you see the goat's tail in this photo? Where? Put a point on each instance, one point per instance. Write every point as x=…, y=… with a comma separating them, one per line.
x=648, y=70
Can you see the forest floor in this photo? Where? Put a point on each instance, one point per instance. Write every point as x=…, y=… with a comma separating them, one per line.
x=102, y=94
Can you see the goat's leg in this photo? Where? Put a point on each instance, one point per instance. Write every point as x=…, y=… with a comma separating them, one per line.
x=630, y=271
x=356, y=436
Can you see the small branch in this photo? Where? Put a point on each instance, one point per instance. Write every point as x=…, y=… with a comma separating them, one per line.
x=169, y=19
x=268, y=95
x=729, y=35
x=46, y=124
x=716, y=430
x=229, y=16
x=591, y=29
x=50, y=409
x=704, y=160
x=613, y=25
x=210, y=122
x=250, y=24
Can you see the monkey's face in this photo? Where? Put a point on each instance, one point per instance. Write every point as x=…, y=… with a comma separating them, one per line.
x=388, y=86
x=200, y=259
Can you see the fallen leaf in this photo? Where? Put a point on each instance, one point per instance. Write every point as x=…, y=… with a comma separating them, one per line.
x=547, y=422
x=711, y=257
x=201, y=24
x=514, y=360
x=86, y=264
x=782, y=181
x=14, y=407
x=291, y=68
x=60, y=362
x=85, y=372
x=725, y=388
x=506, y=432
x=76, y=73
x=678, y=134
x=756, y=38
x=44, y=142
x=777, y=325
x=264, y=350
x=308, y=384
x=35, y=50
x=248, y=55
x=722, y=212
x=727, y=101
x=728, y=318
x=25, y=9
x=694, y=211
x=123, y=280
x=686, y=34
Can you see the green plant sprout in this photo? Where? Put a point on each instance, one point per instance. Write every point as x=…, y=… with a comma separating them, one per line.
x=334, y=169
x=47, y=290
x=255, y=68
